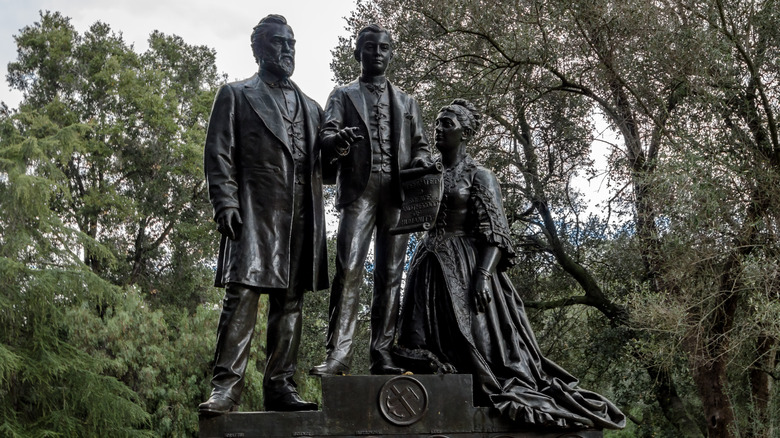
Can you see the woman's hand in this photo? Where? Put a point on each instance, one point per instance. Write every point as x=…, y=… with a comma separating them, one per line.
x=486, y=267
x=482, y=296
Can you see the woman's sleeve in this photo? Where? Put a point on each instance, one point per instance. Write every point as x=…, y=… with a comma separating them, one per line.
x=491, y=220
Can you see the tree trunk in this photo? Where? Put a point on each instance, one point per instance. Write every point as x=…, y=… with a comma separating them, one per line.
x=710, y=350
x=671, y=403
x=761, y=386
x=710, y=378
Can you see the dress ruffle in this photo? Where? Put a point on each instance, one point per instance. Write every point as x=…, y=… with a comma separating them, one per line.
x=492, y=224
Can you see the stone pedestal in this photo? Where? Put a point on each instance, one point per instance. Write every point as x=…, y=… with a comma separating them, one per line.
x=371, y=406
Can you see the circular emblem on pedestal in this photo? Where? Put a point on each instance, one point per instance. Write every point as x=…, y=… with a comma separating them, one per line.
x=403, y=400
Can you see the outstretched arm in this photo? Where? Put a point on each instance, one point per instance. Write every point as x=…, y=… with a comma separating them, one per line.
x=335, y=137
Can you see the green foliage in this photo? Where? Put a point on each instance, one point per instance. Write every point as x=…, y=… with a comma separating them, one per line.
x=161, y=357
x=668, y=305
x=48, y=384
x=682, y=270
x=106, y=241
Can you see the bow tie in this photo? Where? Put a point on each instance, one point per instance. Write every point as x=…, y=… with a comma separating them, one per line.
x=284, y=83
x=376, y=89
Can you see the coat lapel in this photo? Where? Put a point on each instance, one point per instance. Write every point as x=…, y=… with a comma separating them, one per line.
x=397, y=116
x=353, y=91
x=310, y=130
x=260, y=99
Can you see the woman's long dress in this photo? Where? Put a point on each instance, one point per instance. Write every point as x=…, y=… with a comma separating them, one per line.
x=497, y=346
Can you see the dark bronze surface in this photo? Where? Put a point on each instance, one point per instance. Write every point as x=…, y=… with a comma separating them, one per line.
x=264, y=175
x=462, y=308
x=352, y=407
x=403, y=400
x=422, y=198
x=372, y=131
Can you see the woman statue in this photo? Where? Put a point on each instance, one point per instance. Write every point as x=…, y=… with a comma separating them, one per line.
x=460, y=306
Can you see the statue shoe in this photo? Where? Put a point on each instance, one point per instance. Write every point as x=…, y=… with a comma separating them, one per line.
x=216, y=405
x=331, y=367
x=386, y=367
x=288, y=402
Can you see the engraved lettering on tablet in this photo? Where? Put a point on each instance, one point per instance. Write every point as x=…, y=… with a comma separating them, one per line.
x=422, y=198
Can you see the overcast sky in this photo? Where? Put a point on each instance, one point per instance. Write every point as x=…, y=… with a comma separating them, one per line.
x=222, y=25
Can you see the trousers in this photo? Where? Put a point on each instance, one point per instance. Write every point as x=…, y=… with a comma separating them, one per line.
x=373, y=213
x=237, y=325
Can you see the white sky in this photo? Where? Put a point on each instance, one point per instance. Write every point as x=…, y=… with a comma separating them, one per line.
x=222, y=25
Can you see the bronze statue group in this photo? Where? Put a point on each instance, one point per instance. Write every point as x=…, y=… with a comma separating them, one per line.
x=269, y=150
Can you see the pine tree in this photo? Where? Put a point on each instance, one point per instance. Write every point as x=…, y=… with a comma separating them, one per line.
x=106, y=241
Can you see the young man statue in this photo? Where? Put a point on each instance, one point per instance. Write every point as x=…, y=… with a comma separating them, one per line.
x=375, y=131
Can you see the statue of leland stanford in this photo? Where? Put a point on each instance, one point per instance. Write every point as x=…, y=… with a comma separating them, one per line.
x=264, y=178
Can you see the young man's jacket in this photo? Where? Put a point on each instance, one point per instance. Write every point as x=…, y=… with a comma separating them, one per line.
x=346, y=107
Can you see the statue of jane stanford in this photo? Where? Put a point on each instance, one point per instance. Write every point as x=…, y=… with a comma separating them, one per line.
x=461, y=307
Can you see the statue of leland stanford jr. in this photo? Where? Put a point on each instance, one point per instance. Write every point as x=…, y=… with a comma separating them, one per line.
x=265, y=183
x=375, y=131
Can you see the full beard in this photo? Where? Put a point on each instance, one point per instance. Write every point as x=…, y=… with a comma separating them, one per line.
x=282, y=67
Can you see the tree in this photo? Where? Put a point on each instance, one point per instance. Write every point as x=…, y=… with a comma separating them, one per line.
x=134, y=173
x=107, y=239
x=702, y=219
x=48, y=384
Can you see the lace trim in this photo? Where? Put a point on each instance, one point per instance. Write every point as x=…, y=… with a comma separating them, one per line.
x=491, y=223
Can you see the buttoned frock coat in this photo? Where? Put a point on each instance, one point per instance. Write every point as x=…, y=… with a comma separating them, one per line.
x=249, y=165
x=347, y=108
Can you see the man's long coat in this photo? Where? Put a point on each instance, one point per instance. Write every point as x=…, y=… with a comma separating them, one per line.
x=249, y=165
